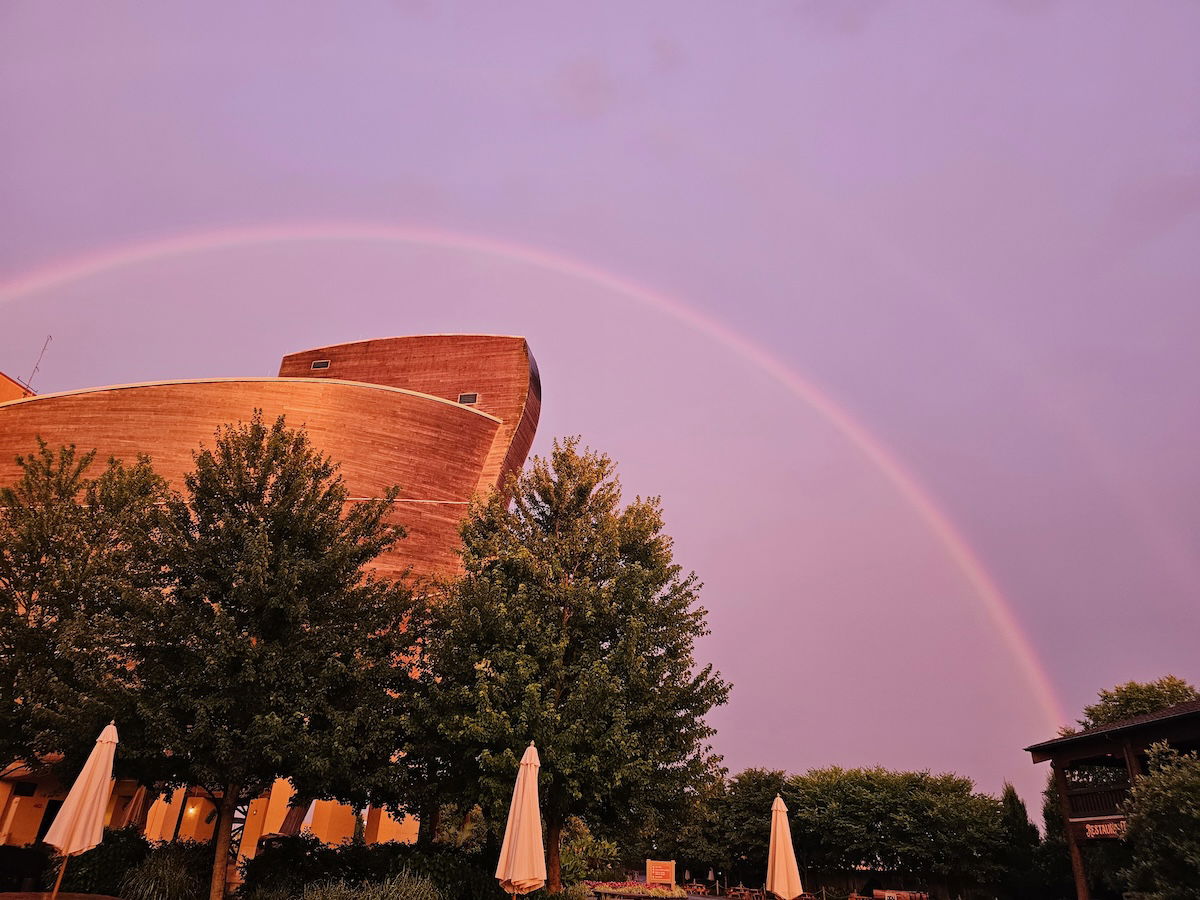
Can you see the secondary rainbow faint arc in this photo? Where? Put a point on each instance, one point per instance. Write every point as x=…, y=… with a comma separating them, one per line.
x=1000, y=611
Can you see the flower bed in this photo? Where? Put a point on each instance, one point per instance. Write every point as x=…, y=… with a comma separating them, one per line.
x=632, y=889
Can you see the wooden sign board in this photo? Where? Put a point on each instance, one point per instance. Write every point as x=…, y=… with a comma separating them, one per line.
x=660, y=871
x=1108, y=828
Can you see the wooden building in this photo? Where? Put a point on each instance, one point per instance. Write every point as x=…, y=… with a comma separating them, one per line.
x=442, y=416
x=445, y=417
x=1094, y=770
x=11, y=389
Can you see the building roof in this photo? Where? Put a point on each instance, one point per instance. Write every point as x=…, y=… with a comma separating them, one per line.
x=11, y=389
x=247, y=379
x=1172, y=713
x=446, y=417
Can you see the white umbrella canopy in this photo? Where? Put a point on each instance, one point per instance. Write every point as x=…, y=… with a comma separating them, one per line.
x=783, y=875
x=522, y=866
x=134, y=812
x=79, y=825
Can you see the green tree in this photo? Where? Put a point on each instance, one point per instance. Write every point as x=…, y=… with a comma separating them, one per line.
x=1164, y=826
x=1018, y=877
x=1137, y=698
x=685, y=823
x=1053, y=860
x=275, y=651
x=77, y=553
x=573, y=627
x=744, y=821
x=935, y=828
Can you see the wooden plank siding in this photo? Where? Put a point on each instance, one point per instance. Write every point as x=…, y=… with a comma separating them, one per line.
x=11, y=389
x=498, y=369
x=380, y=410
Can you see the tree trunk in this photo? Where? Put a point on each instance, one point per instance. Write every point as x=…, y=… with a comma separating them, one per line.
x=554, y=828
x=223, y=837
x=429, y=818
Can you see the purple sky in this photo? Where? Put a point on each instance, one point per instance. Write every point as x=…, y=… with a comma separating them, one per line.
x=972, y=227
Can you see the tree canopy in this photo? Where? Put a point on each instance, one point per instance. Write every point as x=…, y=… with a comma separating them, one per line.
x=79, y=550
x=1019, y=876
x=234, y=630
x=932, y=826
x=275, y=652
x=573, y=627
x=1136, y=698
x=933, y=829
x=1164, y=826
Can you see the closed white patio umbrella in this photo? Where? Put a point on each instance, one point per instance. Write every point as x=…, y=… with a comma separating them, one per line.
x=79, y=825
x=783, y=875
x=522, y=866
x=135, y=810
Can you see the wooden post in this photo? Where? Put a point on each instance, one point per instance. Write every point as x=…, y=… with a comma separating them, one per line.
x=1133, y=765
x=58, y=882
x=1060, y=781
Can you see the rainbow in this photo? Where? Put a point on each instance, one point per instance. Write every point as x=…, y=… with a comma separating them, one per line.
x=999, y=610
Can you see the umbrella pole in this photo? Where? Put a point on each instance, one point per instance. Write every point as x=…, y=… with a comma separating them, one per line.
x=58, y=881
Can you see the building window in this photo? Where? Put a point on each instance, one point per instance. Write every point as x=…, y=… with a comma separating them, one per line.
x=468, y=398
x=320, y=364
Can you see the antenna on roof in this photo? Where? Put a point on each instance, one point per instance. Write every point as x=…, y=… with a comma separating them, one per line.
x=37, y=365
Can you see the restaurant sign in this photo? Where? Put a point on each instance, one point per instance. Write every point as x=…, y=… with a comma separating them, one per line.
x=1109, y=828
x=660, y=871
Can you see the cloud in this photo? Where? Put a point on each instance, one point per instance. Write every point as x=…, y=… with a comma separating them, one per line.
x=843, y=17
x=586, y=88
x=1156, y=205
x=1026, y=7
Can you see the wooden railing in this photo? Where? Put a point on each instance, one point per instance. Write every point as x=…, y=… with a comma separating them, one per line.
x=1089, y=802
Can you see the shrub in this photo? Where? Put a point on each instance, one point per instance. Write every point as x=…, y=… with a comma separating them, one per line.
x=466, y=831
x=102, y=869
x=286, y=864
x=265, y=893
x=399, y=887
x=175, y=871
x=635, y=889
x=23, y=868
x=293, y=863
x=586, y=857
x=571, y=892
x=1164, y=826
x=459, y=876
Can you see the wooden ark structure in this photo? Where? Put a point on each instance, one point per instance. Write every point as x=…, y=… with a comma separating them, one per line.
x=445, y=417
x=1094, y=770
x=442, y=416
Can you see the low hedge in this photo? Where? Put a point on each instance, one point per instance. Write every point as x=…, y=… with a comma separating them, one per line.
x=171, y=871
x=287, y=865
x=401, y=887
x=634, y=889
x=103, y=868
